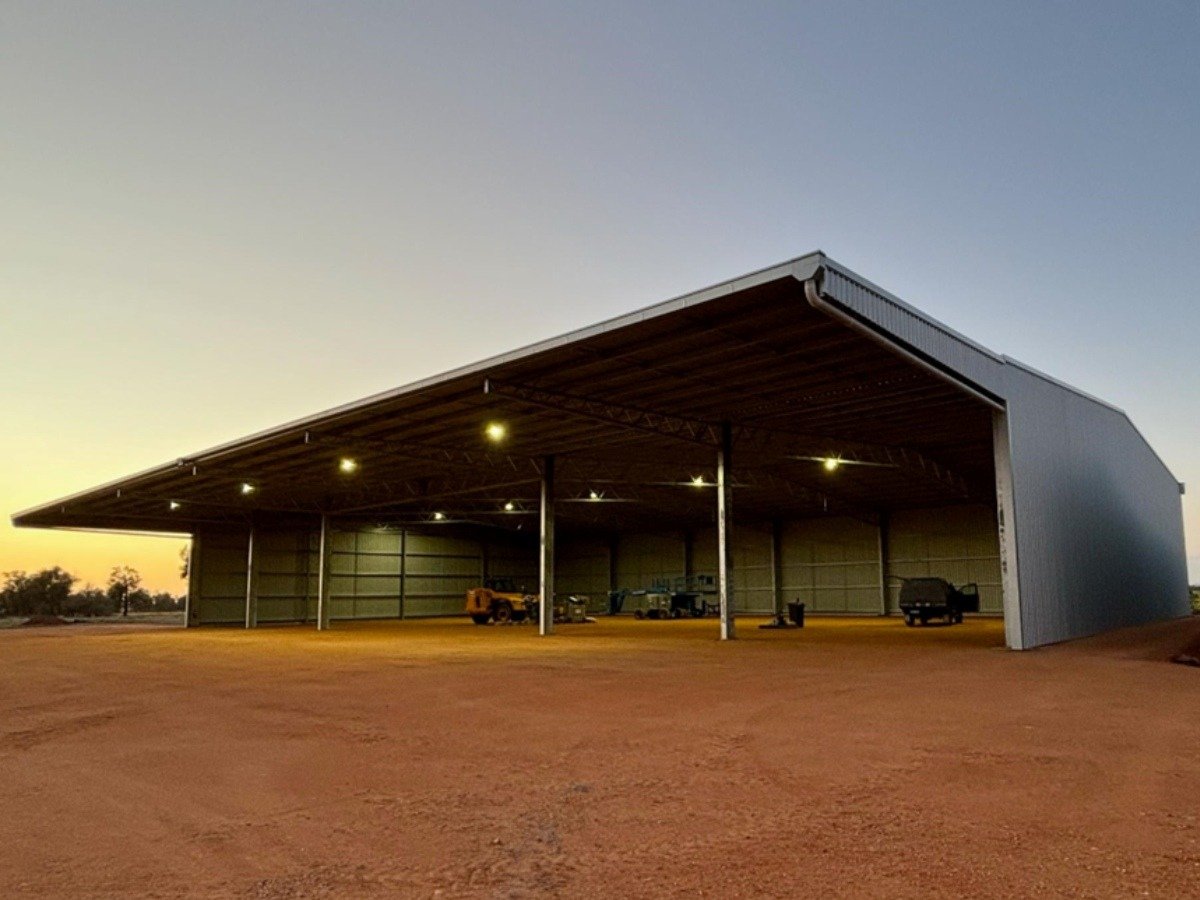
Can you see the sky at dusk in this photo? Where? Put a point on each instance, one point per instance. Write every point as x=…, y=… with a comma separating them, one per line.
x=215, y=217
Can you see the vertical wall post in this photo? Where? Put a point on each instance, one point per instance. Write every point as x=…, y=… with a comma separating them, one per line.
x=251, y=582
x=546, y=560
x=403, y=569
x=613, y=575
x=689, y=558
x=323, y=577
x=191, y=603
x=1006, y=520
x=724, y=529
x=303, y=564
x=884, y=535
x=777, y=569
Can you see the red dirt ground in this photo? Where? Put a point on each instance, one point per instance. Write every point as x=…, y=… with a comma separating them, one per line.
x=621, y=759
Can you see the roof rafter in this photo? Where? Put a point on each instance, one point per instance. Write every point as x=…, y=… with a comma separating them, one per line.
x=694, y=431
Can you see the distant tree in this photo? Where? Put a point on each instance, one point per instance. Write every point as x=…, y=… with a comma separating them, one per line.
x=166, y=602
x=12, y=592
x=91, y=601
x=123, y=581
x=43, y=593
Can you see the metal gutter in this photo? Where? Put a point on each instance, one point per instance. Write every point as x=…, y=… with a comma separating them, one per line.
x=835, y=310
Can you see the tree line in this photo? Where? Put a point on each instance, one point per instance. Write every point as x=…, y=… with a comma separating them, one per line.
x=52, y=592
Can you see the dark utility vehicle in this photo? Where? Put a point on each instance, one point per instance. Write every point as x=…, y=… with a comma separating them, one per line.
x=925, y=599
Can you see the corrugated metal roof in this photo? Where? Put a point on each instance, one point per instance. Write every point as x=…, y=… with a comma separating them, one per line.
x=748, y=350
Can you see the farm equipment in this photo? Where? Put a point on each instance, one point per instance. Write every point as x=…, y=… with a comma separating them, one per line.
x=571, y=610
x=693, y=596
x=690, y=603
x=650, y=604
x=925, y=599
x=500, y=601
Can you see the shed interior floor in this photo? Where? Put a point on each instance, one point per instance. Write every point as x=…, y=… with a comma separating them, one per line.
x=625, y=634
x=639, y=759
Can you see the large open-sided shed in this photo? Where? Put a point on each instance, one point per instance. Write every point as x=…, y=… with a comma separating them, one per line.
x=798, y=432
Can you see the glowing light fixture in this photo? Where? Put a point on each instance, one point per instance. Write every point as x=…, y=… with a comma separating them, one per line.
x=496, y=431
x=593, y=495
x=247, y=488
x=347, y=466
x=509, y=506
x=698, y=481
x=174, y=505
x=439, y=516
x=831, y=464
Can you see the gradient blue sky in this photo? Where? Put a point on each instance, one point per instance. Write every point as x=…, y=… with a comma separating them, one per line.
x=217, y=216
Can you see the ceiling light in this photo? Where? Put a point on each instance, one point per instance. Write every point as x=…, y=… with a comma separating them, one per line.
x=173, y=505
x=438, y=516
x=593, y=495
x=496, y=431
x=247, y=488
x=831, y=464
x=698, y=481
x=347, y=466
x=509, y=506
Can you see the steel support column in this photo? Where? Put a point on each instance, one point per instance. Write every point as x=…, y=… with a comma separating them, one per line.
x=777, y=569
x=191, y=603
x=251, y=583
x=403, y=571
x=884, y=552
x=546, y=560
x=323, y=577
x=613, y=575
x=724, y=529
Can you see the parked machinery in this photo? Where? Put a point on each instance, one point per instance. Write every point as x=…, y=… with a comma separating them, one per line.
x=670, y=598
x=695, y=596
x=571, y=610
x=500, y=601
x=926, y=599
x=649, y=604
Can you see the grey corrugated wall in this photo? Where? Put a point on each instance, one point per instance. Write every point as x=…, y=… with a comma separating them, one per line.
x=1098, y=517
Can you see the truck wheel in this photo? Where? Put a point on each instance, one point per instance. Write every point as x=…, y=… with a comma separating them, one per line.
x=503, y=613
x=910, y=621
x=480, y=618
